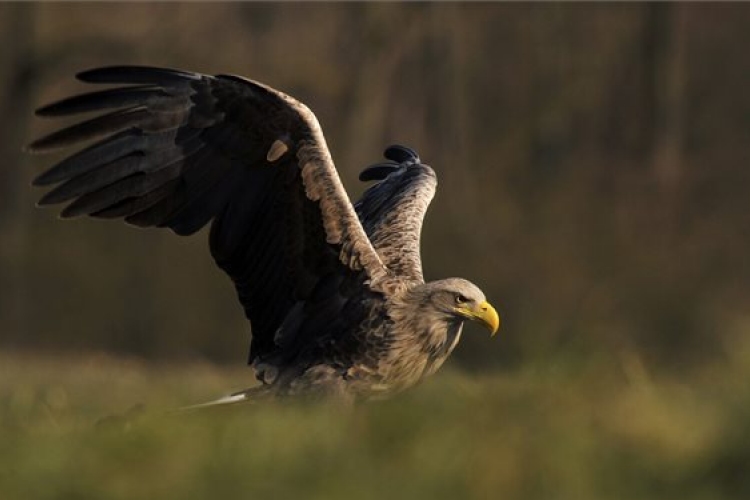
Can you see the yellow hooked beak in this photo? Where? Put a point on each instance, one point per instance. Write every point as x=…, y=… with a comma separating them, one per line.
x=485, y=313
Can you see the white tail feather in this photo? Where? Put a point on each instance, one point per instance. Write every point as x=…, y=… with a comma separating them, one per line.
x=226, y=400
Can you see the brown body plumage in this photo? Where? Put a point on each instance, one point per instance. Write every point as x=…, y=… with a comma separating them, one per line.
x=334, y=291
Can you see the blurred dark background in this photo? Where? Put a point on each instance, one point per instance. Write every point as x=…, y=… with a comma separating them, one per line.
x=593, y=165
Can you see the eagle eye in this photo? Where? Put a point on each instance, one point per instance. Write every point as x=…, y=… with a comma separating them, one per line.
x=460, y=299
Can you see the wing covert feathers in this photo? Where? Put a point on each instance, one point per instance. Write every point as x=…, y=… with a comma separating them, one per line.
x=342, y=226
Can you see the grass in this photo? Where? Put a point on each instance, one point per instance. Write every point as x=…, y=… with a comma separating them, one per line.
x=599, y=432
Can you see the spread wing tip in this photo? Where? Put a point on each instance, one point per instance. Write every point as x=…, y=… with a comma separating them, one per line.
x=397, y=155
x=401, y=154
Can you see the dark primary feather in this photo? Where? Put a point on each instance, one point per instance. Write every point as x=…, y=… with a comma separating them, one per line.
x=132, y=140
x=178, y=150
x=378, y=172
x=112, y=98
x=91, y=129
x=397, y=155
x=401, y=154
x=138, y=74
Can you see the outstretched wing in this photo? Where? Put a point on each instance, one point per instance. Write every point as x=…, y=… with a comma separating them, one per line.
x=180, y=149
x=392, y=211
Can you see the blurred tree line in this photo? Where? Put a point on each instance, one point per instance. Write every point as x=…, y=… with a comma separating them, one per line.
x=593, y=162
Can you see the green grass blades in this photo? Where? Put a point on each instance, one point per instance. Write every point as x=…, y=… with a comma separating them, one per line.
x=100, y=428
